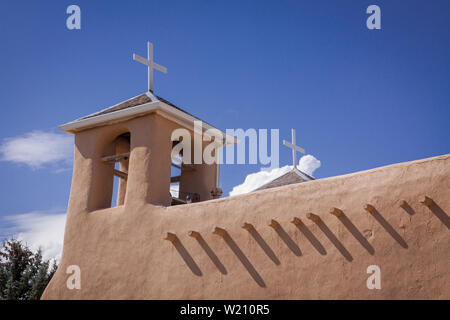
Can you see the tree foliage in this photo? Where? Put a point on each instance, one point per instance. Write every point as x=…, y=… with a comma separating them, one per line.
x=24, y=274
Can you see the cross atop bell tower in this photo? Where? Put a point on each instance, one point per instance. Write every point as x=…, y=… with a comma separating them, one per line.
x=150, y=64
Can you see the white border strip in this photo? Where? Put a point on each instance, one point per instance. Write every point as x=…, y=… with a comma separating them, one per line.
x=159, y=107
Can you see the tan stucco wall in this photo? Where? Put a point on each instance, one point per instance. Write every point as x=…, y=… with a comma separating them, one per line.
x=201, y=180
x=123, y=255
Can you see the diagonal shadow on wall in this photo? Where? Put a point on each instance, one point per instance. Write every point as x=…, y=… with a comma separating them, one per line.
x=288, y=240
x=394, y=234
x=356, y=233
x=211, y=254
x=311, y=238
x=330, y=235
x=440, y=214
x=187, y=257
x=405, y=206
x=264, y=246
x=245, y=262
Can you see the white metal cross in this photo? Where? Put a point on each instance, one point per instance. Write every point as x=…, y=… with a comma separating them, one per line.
x=150, y=64
x=294, y=149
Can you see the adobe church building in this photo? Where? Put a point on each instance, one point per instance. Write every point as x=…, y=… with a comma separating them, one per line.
x=303, y=239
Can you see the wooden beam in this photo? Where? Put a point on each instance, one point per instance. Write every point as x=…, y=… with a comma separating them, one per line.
x=184, y=167
x=120, y=174
x=336, y=212
x=274, y=224
x=247, y=226
x=171, y=237
x=187, y=167
x=176, y=165
x=175, y=179
x=117, y=157
x=313, y=217
x=176, y=201
x=220, y=232
x=426, y=201
x=370, y=208
x=296, y=221
x=194, y=234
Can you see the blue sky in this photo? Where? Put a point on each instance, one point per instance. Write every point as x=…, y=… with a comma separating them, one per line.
x=357, y=98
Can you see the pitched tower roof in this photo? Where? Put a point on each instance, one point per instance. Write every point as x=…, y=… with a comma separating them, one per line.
x=291, y=177
x=145, y=103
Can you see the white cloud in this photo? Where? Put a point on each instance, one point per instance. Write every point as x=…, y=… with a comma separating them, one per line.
x=37, y=148
x=174, y=190
x=255, y=180
x=39, y=229
x=308, y=164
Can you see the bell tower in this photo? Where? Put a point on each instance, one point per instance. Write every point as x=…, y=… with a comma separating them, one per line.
x=136, y=142
x=133, y=145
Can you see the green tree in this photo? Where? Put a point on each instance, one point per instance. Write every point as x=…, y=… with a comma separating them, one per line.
x=24, y=274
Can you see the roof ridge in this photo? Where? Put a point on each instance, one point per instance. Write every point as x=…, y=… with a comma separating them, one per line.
x=152, y=96
x=303, y=176
x=113, y=106
x=298, y=171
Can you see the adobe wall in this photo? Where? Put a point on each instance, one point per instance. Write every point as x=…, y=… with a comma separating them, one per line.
x=123, y=255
